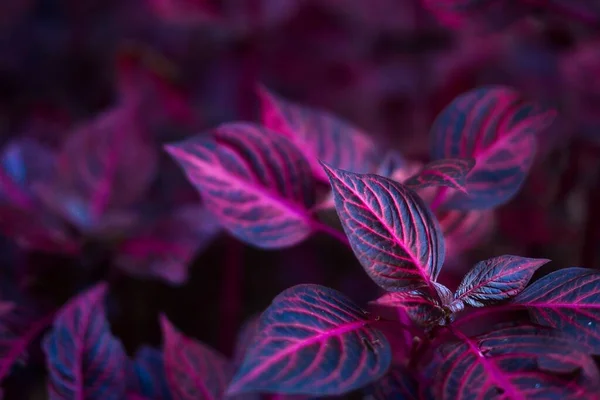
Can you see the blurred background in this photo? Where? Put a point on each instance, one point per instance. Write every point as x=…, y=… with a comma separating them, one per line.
x=387, y=66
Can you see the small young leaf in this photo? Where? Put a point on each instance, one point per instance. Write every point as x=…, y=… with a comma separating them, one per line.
x=392, y=232
x=569, y=300
x=194, y=371
x=312, y=340
x=496, y=279
x=449, y=172
x=320, y=136
x=497, y=127
x=514, y=363
x=254, y=180
x=166, y=248
x=423, y=308
x=146, y=375
x=84, y=359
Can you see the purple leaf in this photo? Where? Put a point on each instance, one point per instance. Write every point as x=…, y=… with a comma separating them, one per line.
x=464, y=230
x=497, y=279
x=423, y=308
x=392, y=161
x=19, y=326
x=103, y=166
x=194, y=371
x=397, y=384
x=254, y=181
x=167, y=246
x=569, y=300
x=312, y=340
x=498, y=128
x=85, y=361
x=146, y=375
x=392, y=232
x=517, y=363
x=244, y=339
x=320, y=135
x=24, y=162
x=449, y=172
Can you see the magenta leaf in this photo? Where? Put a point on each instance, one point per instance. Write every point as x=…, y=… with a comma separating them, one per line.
x=320, y=136
x=194, y=371
x=569, y=300
x=517, y=363
x=312, y=340
x=464, y=230
x=498, y=128
x=423, y=308
x=19, y=326
x=497, y=279
x=392, y=161
x=392, y=232
x=103, y=167
x=167, y=246
x=146, y=375
x=397, y=384
x=85, y=361
x=449, y=172
x=254, y=181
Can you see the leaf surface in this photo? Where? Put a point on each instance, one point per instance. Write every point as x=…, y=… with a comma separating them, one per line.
x=320, y=135
x=255, y=182
x=194, y=371
x=448, y=172
x=312, y=340
x=517, y=363
x=498, y=128
x=392, y=232
x=85, y=361
x=569, y=300
x=497, y=279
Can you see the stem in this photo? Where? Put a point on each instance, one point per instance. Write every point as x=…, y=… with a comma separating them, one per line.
x=439, y=198
x=231, y=294
x=334, y=233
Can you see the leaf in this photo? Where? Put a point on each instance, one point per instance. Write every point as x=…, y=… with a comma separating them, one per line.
x=450, y=172
x=397, y=384
x=497, y=279
x=498, y=128
x=569, y=300
x=312, y=340
x=392, y=161
x=392, y=232
x=254, y=181
x=463, y=230
x=244, y=339
x=514, y=363
x=320, y=135
x=166, y=247
x=194, y=371
x=104, y=166
x=24, y=162
x=19, y=327
x=423, y=308
x=84, y=359
x=146, y=375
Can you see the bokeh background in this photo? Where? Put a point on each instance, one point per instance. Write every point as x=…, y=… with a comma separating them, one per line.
x=387, y=66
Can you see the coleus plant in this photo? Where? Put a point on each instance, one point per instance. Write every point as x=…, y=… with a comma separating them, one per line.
x=263, y=184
